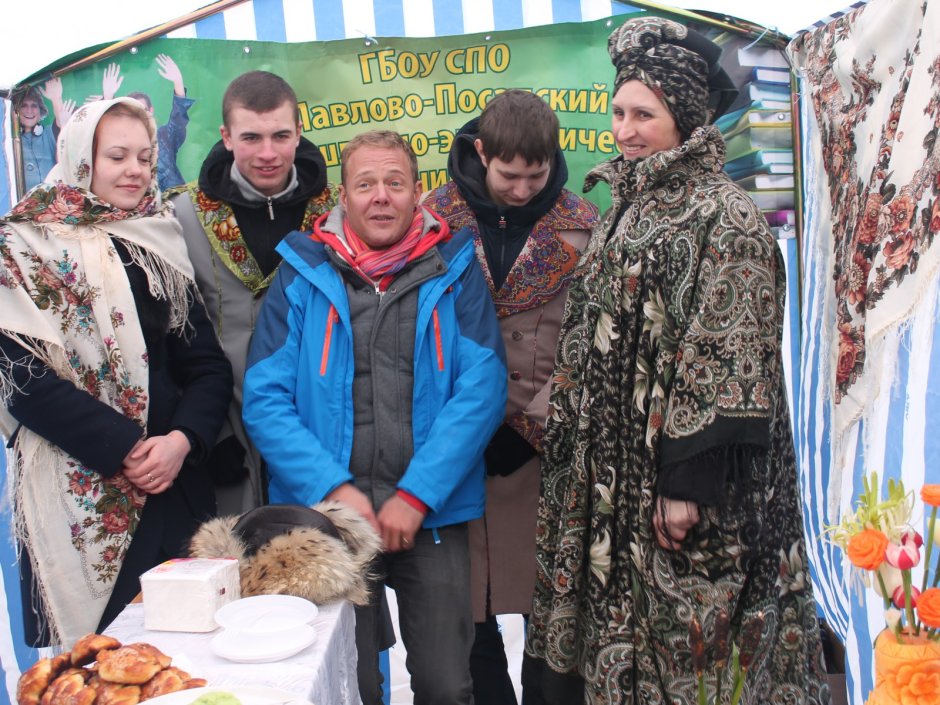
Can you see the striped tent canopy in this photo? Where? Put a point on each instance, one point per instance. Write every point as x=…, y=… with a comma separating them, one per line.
x=322, y=20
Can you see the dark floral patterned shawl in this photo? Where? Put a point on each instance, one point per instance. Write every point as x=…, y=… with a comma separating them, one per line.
x=65, y=298
x=670, y=348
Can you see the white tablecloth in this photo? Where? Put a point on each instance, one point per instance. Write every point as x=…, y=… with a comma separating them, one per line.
x=324, y=672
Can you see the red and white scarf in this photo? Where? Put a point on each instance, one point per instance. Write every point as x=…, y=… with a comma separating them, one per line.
x=381, y=266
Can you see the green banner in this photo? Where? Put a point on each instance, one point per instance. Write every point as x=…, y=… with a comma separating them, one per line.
x=424, y=88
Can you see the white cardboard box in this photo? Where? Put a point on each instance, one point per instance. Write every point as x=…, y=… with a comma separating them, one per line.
x=183, y=594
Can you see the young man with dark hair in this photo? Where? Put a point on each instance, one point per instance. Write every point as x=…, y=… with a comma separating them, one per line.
x=376, y=376
x=508, y=187
x=259, y=182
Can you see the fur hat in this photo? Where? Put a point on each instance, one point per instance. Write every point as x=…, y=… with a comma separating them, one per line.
x=322, y=553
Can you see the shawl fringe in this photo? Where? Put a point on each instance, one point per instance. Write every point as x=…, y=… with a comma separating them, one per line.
x=166, y=283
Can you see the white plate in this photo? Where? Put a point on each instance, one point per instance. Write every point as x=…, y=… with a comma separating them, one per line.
x=247, y=694
x=261, y=647
x=265, y=613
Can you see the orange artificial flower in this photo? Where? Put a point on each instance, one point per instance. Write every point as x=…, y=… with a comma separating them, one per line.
x=866, y=549
x=928, y=607
x=931, y=495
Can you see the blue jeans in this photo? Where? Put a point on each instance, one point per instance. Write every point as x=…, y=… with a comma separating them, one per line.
x=432, y=586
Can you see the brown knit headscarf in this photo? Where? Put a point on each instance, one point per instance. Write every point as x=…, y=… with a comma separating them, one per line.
x=678, y=64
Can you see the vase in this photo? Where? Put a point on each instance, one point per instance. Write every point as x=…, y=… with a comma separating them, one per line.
x=907, y=672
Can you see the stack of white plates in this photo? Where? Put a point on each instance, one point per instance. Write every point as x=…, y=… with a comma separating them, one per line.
x=264, y=628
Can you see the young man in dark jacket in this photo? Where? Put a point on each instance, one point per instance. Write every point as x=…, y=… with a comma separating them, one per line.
x=260, y=181
x=508, y=187
x=375, y=378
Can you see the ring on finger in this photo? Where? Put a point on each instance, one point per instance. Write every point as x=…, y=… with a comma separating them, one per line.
x=405, y=541
x=150, y=478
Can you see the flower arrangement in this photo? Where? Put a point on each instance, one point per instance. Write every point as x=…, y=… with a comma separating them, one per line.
x=883, y=546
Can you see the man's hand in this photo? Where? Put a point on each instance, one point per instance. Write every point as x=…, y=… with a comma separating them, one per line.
x=351, y=496
x=672, y=519
x=153, y=464
x=400, y=522
x=111, y=81
x=171, y=72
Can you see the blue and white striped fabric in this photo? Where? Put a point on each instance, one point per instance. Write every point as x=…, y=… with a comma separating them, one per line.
x=890, y=438
x=319, y=20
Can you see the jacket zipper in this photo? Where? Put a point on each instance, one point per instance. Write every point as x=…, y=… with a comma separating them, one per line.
x=437, y=340
x=331, y=317
x=270, y=208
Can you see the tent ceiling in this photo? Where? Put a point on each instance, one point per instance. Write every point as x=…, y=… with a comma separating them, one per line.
x=32, y=38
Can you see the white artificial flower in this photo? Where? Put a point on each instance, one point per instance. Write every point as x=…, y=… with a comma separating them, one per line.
x=892, y=618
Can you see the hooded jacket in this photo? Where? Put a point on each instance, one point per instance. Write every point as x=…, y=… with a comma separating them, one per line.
x=263, y=224
x=231, y=242
x=537, y=251
x=503, y=229
x=298, y=395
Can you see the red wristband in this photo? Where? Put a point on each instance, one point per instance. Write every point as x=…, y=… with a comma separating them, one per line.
x=413, y=501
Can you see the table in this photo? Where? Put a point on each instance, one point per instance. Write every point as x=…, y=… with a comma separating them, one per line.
x=324, y=673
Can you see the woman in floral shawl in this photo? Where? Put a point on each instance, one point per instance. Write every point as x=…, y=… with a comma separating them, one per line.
x=669, y=489
x=111, y=380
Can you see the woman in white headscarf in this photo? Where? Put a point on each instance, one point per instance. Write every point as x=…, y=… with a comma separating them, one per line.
x=112, y=382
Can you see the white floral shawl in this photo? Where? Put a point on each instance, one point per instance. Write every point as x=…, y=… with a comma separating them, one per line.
x=65, y=297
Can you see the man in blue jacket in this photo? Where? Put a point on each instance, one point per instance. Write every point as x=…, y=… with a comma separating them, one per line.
x=376, y=378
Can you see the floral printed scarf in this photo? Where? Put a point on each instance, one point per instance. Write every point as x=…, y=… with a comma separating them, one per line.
x=427, y=230
x=876, y=102
x=66, y=299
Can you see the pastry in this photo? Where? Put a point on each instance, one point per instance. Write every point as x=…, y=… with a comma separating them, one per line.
x=118, y=694
x=36, y=679
x=69, y=689
x=166, y=681
x=114, y=675
x=87, y=648
x=153, y=651
x=127, y=664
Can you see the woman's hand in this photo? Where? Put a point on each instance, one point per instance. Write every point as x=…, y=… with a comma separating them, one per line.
x=672, y=519
x=153, y=464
